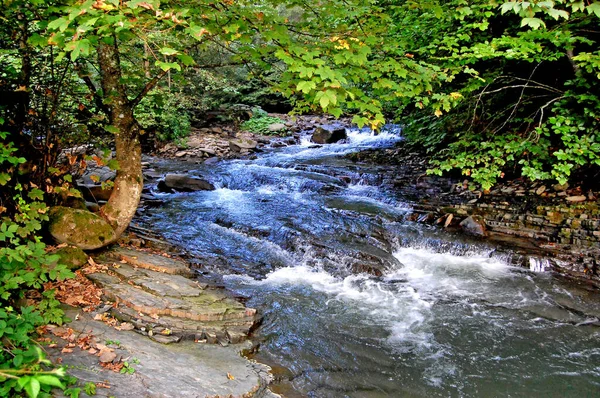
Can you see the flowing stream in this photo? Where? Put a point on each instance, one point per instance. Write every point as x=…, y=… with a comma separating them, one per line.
x=437, y=315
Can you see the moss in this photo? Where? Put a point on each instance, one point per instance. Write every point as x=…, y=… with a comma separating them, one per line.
x=71, y=256
x=80, y=228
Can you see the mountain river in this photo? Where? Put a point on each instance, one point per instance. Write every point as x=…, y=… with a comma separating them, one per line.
x=438, y=315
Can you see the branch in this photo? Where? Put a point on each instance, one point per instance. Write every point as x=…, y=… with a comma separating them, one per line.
x=90, y=85
x=149, y=86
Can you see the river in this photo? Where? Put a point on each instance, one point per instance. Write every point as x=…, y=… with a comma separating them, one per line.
x=437, y=315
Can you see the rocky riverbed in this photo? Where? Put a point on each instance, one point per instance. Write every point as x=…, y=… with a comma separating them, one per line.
x=559, y=223
x=545, y=227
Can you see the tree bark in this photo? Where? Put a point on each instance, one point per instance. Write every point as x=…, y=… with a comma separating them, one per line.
x=125, y=197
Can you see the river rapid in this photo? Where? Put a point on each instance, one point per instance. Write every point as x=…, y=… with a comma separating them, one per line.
x=294, y=230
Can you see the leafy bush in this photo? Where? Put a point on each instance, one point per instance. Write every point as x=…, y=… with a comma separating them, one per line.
x=24, y=266
x=166, y=114
x=259, y=123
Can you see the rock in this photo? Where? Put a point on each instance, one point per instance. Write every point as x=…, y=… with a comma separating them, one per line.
x=576, y=199
x=92, y=206
x=150, y=261
x=212, y=160
x=160, y=338
x=182, y=182
x=180, y=154
x=95, y=174
x=276, y=127
x=328, y=134
x=448, y=220
x=560, y=187
x=71, y=256
x=80, y=228
x=540, y=190
x=241, y=144
x=94, y=192
x=473, y=225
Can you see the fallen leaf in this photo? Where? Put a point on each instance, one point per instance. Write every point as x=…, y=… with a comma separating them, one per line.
x=230, y=376
x=107, y=356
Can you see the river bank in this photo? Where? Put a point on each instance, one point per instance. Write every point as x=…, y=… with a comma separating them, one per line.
x=560, y=224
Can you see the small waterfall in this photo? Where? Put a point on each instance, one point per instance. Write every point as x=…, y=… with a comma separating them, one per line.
x=537, y=264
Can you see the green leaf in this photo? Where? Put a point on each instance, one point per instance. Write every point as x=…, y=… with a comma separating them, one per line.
x=113, y=164
x=306, y=86
x=168, y=51
x=506, y=7
x=50, y=381
x=186, y=59
x=168, y=65
x=37, y=41
x=60, y=24
x=594, y=8
x=4, y=178
x=533, y=23
x=32, y=388
x=36, y=194
x=111, y=129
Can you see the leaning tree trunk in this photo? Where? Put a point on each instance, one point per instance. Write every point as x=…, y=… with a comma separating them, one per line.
x=125, y=197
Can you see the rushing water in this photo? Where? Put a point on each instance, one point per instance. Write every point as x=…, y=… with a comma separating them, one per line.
x=291, y=230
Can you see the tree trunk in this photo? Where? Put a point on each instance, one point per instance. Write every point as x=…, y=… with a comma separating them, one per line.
x=124, y=200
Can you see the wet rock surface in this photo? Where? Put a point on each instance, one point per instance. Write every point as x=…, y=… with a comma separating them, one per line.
x=328, y=134
x=559, y=222
x=181, y=182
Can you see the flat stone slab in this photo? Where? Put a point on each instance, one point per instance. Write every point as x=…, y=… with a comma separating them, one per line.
x=150, y=261
x=205, y=306
x=183, y=370
x=160, y=283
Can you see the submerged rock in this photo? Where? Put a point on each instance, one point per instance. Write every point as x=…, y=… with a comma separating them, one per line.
x=328, y=134
x=80, y=228
x=182, y=182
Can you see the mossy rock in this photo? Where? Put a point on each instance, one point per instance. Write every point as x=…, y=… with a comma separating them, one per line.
x=71, y=256
x=81, y=228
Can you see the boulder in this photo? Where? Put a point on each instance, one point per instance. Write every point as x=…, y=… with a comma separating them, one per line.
x=276, y=127
x=473, y=225
x=239, y=144
x=80, y=228
x=182, y=182
x=328, y=134
x=71, y=256
x=97, y=174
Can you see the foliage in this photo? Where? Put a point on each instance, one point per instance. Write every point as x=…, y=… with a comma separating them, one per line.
x=259, y=123
x=166, y=113
x=526, y=102
x=24, y=265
